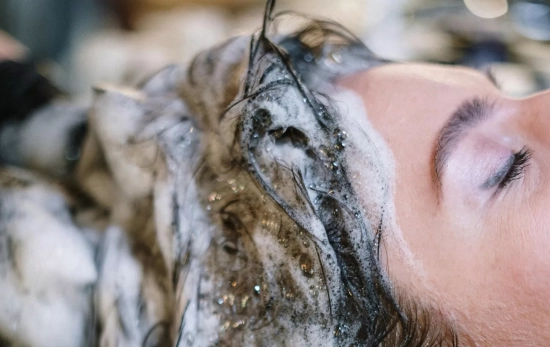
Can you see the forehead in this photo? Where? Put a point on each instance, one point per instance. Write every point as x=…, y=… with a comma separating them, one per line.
x=396, y=94
x=425, y=74
x=393, y=86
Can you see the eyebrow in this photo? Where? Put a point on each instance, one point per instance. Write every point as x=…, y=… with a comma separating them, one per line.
x=468, y=114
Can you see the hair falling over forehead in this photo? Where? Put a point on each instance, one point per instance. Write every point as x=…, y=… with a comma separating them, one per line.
x=293, y=259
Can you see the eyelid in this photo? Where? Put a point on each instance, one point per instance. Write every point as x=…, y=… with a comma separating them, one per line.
x=499, y=175
x=511, y=171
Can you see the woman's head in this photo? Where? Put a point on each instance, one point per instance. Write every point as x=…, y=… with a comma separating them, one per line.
x=294, y=189
x=297, y=187
x=401, y=204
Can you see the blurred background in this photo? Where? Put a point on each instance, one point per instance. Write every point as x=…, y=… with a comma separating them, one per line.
x=78, y=43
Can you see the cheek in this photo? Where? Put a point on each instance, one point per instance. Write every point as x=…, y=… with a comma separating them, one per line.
x=509, y=277
x=531, y=238
x=485, y=273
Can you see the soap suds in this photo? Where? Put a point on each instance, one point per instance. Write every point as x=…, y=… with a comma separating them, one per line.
x=372, y=167
x=47, y=266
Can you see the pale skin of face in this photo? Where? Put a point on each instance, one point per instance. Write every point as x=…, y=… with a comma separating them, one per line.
x=479, y=249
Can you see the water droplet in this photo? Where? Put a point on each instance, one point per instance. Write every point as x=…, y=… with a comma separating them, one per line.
x=72, y=154
x=220, y=301
x=257, y=288
x=231, y=299
x=306, y=265
x=244, y=301
x=188, y=337
x=238, y=324
x=338, y=331
x=312, y=291
x=336, y=57
x=225, y=326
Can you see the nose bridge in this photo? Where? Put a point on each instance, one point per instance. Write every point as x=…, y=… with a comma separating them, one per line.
x=539, y=102
x=534, y=115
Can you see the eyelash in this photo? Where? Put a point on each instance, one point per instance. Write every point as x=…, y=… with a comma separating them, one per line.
x=521, y=161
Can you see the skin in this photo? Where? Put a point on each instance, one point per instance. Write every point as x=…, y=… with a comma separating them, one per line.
x=480, y=256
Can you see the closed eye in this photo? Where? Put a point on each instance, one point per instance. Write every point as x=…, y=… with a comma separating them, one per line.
x=512, y=170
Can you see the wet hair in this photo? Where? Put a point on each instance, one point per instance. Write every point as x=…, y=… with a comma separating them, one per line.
x=292, y=256
x=243, y=224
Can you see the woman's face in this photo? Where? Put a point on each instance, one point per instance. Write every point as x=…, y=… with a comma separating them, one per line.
x=472, y=197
